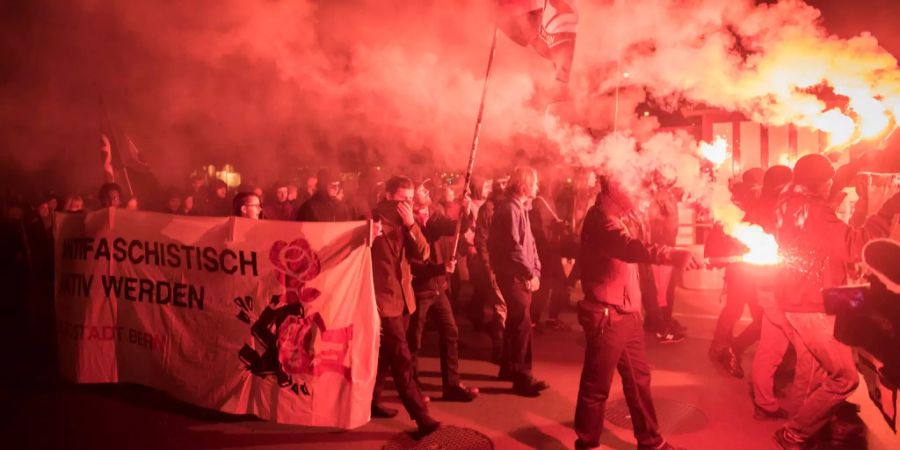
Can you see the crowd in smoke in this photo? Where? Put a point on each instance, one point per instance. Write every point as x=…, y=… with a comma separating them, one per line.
x=352, y=84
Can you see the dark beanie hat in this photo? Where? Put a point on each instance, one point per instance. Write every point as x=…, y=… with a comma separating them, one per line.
x=776, y=177
x=812, y=170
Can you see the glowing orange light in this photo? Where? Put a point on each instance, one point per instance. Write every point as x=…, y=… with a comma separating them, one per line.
x=786, y=160
x=872, y=116
x=717, y=152
x=839, y=126
x=763, y=248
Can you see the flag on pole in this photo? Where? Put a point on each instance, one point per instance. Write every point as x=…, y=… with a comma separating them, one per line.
x=130, y=156
x=549, y=26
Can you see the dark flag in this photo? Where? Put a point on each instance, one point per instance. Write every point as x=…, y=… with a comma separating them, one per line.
x=133, y=173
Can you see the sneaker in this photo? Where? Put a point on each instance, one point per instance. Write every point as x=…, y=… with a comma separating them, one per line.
x=427, y=425
x=676, y=326
x=730, y=362
x=669, y=337
x=529, y=387
x=460, y=393
x=762, y=414
x=785, y=442
x=383, y=412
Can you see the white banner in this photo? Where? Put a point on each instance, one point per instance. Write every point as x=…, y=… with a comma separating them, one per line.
x=275, y=319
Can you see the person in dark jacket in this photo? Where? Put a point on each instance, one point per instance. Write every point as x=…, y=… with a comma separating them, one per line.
x=487, y=294
x=400, y=242
x=776, y=335
x=658, y=287
x=217, y=203
x=741, y=290
x=610, y=316
x=515, y=262
x=816, y=246
x=324, y=205
x=547, y=228
x=431, y=284
x=281, y=207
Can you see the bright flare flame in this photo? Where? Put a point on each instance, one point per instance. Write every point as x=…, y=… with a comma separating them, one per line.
x=872, y=116
x=763, y=248
x=717, y=152
x=839, y=126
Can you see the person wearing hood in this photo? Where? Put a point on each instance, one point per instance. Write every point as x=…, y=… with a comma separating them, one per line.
x=217, y=202
x=776, y=335
x=817, y=247
x=325, y=205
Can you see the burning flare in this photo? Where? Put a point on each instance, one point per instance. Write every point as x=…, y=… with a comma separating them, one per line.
x=762, y=245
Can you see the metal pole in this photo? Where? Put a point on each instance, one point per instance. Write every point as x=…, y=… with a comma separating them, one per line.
x=474, y=149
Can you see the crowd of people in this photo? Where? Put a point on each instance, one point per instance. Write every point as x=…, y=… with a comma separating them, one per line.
x=505, y=251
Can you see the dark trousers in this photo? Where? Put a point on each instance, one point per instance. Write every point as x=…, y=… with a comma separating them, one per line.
x=740, y=290
x=654, y=318
x=436, y=307
x=487, y=310
x=555, y=291
x=517, y=334
x=614, y=341
x=394, y=356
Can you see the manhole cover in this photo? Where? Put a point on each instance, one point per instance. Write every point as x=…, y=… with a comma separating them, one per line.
x=674, y=417
x=447, y=438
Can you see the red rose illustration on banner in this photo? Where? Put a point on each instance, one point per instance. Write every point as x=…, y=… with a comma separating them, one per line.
x=295, y=345
x=295, y=264
x=296, y=342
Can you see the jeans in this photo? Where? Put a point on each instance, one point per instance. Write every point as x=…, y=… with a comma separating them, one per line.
x=775, y=338
x=517, y=334
x=438, y=309
x=613, y=341
x=394, y=356
x=829, y=372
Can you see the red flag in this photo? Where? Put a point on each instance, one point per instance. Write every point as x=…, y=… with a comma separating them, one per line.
x=547, y=25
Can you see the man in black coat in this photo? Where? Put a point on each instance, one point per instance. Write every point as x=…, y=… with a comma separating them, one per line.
x=431, y=284
x=324, y=205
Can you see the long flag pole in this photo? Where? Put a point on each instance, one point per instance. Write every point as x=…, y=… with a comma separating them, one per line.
x=474, y=148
